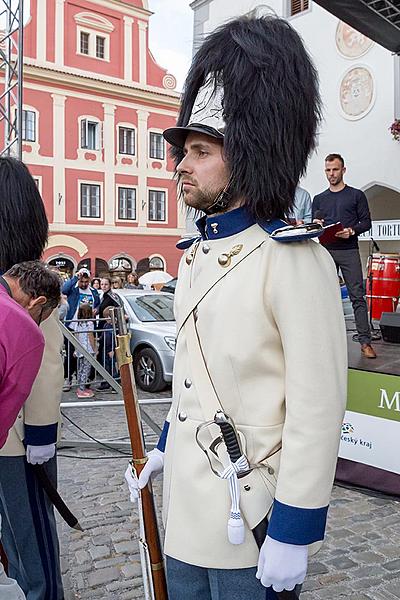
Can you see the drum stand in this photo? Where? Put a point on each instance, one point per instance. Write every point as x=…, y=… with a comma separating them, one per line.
x=375, y=333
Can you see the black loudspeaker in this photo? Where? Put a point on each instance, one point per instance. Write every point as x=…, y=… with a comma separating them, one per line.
x=390, y=327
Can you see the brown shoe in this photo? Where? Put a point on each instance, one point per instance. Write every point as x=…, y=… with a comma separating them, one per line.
x=368, y=351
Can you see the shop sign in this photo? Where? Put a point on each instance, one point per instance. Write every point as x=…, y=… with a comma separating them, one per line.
x=383, y=230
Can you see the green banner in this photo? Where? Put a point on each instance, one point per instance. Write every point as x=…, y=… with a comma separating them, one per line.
x=374, y=394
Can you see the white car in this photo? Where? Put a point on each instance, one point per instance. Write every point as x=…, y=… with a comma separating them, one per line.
x=153, y=336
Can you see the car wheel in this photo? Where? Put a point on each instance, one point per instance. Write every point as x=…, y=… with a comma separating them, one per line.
x=148, y=370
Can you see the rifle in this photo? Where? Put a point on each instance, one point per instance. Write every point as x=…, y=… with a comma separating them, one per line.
x=146, y=506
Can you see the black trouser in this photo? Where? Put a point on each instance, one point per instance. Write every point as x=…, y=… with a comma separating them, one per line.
x=350, y=266
x=70, y=362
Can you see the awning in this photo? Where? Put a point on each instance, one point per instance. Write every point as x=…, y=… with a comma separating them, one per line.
x=377, y=19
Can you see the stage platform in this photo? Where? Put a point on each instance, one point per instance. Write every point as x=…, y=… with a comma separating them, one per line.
x=370, y=440
x=386, y=362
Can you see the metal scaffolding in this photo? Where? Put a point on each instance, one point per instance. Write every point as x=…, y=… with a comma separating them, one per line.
x=11, y=66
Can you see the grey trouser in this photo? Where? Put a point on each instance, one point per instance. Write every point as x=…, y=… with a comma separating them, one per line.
x=9, y=588
x=188, y=581
x=29, y=529
x=350, y=266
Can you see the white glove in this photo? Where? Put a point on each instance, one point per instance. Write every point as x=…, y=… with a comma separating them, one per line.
x=153, y=466
x=37, y=455
x=280, y=565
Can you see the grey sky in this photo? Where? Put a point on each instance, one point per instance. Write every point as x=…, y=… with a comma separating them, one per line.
x=171, y=33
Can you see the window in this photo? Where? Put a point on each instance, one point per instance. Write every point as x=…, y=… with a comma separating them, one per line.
x=90, y=137
x=126, y=203
x=84, y=44
x=126, y=140
x=28, y=125
x=157, y=146
x=90, y=200
x=36, y=180
x=298, y=6
x=100, y=46
x=156, y=205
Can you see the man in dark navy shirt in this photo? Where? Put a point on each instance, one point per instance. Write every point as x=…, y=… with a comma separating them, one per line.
x=349, y=206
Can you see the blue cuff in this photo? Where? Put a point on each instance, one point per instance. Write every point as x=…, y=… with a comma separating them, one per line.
x=40, y=435
x=293, y=525
x=163, y=437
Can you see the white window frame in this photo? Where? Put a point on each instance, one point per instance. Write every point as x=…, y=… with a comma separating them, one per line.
x=88, y=182
x=134, y=129
x=157, y=189
x=29, y=109
x=99, y=134
x=80, y=43
x=129, y=187
x=157, y=132
x=299, y=14
x=38, y=179
x=160, y=256
x=93, y=34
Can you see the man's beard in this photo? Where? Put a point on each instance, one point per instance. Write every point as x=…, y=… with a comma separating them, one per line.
x=200, y=199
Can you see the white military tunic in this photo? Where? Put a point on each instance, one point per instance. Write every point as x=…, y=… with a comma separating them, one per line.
x=272, y=332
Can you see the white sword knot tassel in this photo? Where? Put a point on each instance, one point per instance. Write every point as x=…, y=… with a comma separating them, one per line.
x=235, y=522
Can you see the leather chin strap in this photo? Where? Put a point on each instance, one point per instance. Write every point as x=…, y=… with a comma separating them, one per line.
x=221, y=201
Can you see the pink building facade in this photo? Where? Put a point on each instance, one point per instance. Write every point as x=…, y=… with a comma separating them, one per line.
x=95, y=105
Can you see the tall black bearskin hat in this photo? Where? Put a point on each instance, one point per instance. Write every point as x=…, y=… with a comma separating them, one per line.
x=253, y=85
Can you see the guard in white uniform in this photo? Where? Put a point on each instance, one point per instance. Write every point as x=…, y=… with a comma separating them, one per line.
x=250, y=444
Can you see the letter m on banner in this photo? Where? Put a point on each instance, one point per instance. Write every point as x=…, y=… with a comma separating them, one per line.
x=386, y=403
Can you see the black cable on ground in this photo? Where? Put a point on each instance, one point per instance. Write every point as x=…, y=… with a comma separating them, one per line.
x=93, y=438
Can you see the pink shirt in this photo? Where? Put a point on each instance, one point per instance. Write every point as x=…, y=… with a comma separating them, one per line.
x=21, y=352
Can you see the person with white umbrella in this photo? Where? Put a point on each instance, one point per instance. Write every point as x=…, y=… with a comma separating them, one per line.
x=154, y=279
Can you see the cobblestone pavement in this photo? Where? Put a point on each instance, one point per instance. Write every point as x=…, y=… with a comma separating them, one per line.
x=360, y=559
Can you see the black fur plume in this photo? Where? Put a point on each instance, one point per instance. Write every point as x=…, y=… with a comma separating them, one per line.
x=271, y=105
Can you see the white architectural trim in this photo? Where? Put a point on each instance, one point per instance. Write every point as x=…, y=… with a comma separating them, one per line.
x=88, y=19
x=143, y=116
x=163, y=161
x=386, y=186
x=35, y=146
x=120, y=155
x=109, y=162
x=100, y=229
x=142, y=52
x=96, y=219
x=371, y=106
x=58, y=161
x=62, y=255
x=82, y=151
x=104, y=99
x=160, y=256
x=93, y=34
x=128, y=51
x=39, y=179
x=69, y=241
x=41, y=30
x=59, y=41
x=131, y=187
x=154, y=188
x=397, y=86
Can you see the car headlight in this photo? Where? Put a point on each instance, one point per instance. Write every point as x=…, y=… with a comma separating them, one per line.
x=171, y=342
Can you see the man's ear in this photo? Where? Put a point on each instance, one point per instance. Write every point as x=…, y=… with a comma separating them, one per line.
x=33, y=302
x=344, y=170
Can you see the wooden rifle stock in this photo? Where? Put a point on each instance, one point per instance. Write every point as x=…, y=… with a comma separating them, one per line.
x=124, y=359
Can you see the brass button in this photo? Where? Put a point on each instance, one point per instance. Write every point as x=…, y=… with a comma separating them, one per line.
x=188, y=383
x=182, y=416
x=205, y=248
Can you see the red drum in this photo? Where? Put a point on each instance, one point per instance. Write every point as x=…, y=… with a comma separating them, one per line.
x=384, y=290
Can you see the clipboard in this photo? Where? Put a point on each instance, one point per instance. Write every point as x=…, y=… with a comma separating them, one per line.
x=328, y=236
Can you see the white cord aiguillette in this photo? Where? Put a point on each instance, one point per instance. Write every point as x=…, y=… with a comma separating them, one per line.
x=235, y=522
